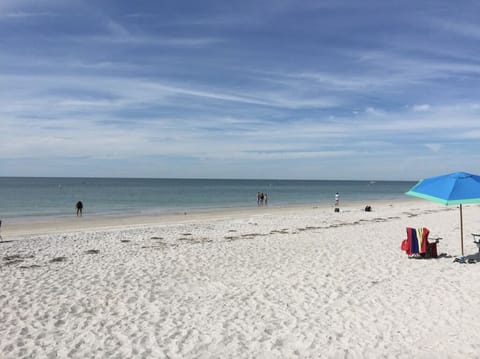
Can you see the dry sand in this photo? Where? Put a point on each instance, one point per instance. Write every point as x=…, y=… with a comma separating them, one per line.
x=299, y=282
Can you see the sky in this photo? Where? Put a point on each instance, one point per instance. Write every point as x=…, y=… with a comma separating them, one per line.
x=274, y=89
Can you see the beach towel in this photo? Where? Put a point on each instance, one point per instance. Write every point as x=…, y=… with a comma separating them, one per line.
x=416, y=242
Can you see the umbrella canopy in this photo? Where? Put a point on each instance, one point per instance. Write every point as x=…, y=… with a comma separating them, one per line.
x=450, y=189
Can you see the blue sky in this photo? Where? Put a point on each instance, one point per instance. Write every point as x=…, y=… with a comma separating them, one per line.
x=239, y=89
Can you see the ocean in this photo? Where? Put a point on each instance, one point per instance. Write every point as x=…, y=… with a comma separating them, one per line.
x=22, y=197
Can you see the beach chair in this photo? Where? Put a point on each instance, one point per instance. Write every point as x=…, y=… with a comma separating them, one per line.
x=476, y=240
x=417, y=245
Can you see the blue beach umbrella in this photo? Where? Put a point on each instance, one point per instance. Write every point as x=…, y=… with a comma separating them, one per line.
x=452, y=189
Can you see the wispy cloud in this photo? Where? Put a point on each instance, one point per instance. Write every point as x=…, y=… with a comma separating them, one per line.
x=435, y=147
x=295, y=88
x=466, y=29
x=421, y=108
x=25, y=15
x=114, y=37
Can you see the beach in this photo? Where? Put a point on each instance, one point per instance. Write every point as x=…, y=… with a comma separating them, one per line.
x=283, y=282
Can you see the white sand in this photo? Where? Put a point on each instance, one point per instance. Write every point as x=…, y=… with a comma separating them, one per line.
x=268, y=283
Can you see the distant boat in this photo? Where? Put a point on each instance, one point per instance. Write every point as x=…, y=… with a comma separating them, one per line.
x=372, y=182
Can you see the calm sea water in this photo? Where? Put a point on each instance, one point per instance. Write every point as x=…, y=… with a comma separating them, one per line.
x=24, y=196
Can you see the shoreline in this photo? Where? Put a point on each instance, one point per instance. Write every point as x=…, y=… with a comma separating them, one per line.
x=26, y=226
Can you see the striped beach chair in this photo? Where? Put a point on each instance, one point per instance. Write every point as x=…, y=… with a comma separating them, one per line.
x=417, y=245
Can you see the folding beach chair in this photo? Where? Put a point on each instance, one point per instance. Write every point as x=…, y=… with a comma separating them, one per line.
x=417, y=245
x=476, y=240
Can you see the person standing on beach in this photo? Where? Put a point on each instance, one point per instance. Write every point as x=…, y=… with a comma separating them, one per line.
x=337, y=199
x=258, y=198
x=79, y=207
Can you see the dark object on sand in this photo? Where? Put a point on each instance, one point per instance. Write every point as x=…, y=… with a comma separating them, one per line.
x=368, y=209
x=337, y=209
x=92, y=251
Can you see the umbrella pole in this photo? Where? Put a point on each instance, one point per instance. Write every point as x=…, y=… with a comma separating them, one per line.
x=461, y=227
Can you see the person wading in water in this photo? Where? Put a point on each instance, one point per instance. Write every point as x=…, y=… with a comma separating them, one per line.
x=79, y=207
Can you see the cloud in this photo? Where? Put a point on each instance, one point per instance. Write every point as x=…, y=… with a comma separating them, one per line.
x=435, y=147
x=103, y=136
x=117, y=30
x=26, y=15
x=471, y=134
x=374, y=111
x=421, y=108
x=298, y=86
x=465, y=29
x=131, y=91
x=114, y=37
x=29, y=9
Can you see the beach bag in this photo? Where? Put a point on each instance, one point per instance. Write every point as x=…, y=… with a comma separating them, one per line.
x=431, y=250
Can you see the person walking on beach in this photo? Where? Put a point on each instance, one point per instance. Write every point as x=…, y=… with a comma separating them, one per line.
x=258, y=198
x=79, y=207
x=265, y=199
x=337, y=199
